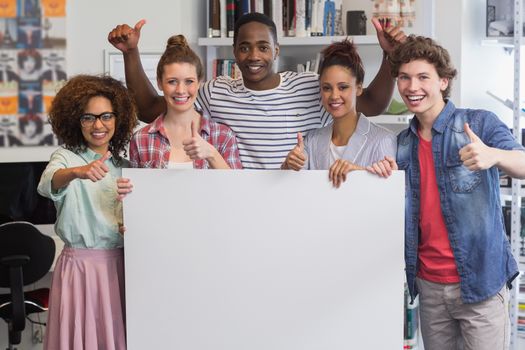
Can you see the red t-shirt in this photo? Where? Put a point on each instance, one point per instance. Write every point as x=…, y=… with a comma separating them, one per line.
x=436, y=260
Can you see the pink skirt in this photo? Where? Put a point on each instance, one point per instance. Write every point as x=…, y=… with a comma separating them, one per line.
x=86, y=302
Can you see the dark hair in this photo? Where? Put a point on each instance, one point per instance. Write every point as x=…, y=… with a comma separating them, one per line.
x=24, y=56
x=178, y=51
x=343, y=53
x=31, y=118
x=71, y=101
x=254, y=17
x=423, y=48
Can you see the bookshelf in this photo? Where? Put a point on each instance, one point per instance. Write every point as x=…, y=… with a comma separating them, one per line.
x=216, y=47
x=512, y=43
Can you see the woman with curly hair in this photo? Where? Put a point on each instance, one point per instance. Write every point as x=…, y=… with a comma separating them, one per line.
x=352, y=141
x=94, y=117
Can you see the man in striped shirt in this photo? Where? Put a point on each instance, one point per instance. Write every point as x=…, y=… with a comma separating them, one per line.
x=265, y=109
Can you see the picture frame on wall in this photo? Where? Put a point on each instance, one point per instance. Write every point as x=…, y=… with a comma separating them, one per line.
x=114, y=66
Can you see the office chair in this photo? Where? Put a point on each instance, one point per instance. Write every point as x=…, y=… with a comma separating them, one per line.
x=26, y=256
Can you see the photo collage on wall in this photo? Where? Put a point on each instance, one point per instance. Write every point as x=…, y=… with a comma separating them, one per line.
x=32, y=69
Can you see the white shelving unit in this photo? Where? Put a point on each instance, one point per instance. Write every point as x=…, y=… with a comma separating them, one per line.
x=515, y=193
x=516, y=184
x=213, y=45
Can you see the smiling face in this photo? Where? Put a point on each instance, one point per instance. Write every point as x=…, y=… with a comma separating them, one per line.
x=98, y=135
x=180, y=85
x=339, y=89
x=255, y=51
x=29, y=64
x=421, y=88
x=30, y=129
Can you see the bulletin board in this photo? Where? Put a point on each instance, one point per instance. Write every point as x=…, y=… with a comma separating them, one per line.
x=280, y=260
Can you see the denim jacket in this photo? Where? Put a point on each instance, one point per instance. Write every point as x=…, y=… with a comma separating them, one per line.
x=470, y=201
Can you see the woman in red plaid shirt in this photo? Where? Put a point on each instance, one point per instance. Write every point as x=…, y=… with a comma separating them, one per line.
x=183, y=137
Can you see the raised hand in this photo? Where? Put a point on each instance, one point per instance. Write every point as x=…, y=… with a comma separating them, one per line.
x=384, y=167
x=388, y=37
x=338, y=171
x=296, y=158
x=95, y=170
x=476, y=155
x=196, y=147
x=125, y=38
x=124, y=186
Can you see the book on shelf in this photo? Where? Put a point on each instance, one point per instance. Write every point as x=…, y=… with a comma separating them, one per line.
x=277, y=16
x=223, y=9
x=226, y=67
x=297, y=18
x=241, y=7
x=230, y=17
x=308, y=66
x=214, y=19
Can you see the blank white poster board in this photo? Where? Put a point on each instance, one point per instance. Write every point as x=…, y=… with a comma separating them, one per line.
x=263, y=260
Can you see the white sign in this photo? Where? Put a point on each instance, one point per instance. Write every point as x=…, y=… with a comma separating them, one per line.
x=263, y=260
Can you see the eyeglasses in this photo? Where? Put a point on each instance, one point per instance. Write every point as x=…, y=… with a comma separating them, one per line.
x=87, y=120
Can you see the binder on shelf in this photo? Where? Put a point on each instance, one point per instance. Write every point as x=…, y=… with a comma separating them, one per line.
x=223, y=20
x=277, y=16
x=241, y=7
x=300, y=18
x=267, y=8
x=230, y=17
x=214, y=26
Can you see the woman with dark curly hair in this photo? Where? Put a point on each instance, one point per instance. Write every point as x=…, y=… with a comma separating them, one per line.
x=352, y=141
x=94, y=117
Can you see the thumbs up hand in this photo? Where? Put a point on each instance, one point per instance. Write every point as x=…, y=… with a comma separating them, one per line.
x=125, y=38
x=296, y=159
x=196, y=147
x=476, y=155
x=95, y=170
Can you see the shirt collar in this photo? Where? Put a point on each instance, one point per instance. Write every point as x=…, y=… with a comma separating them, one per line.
x=89, y=155
x=363, y=125
x=157, y=126
x=441, y=121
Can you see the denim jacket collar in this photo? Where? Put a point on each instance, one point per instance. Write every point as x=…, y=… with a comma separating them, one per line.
x=441, y=121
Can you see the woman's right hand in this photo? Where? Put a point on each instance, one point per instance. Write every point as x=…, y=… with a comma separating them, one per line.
x=94, y=171
x=384, y=167
x=124, y=186
x=296, y=159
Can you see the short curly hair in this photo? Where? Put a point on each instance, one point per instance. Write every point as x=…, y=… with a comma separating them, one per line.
x=423, y=48
x=71, y=101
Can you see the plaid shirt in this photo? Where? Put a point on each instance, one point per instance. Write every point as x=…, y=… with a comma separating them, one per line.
x=150, y=147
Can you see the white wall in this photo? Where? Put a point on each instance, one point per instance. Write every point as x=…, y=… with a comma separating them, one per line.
x=89, y=22
x=460, y=28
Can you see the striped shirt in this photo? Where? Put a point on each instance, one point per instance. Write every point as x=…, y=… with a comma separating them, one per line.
x=266, y=122
x=150, y=148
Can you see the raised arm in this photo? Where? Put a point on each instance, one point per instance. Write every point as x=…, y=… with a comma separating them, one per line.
x=126, y=39
x=376, y=97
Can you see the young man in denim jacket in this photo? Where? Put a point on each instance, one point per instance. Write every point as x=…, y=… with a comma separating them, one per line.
x=457, y=256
